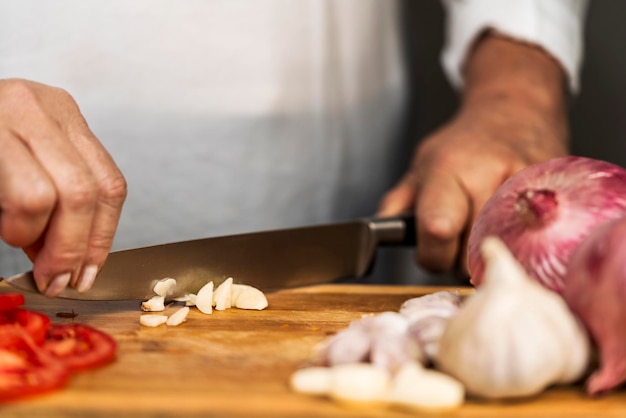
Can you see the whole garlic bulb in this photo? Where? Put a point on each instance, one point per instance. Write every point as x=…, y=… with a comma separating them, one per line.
x=512, y=337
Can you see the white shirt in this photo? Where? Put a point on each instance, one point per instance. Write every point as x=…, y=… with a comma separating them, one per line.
x=231, y=115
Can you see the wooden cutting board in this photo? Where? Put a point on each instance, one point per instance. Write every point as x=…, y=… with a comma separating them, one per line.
x=237, y=363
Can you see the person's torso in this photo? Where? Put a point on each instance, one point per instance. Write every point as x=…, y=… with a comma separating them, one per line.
x=225, y=116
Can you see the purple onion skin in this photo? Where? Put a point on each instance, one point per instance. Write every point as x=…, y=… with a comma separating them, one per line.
x=596, y=293
x=544, y=211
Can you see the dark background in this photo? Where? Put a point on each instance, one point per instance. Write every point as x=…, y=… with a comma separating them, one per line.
x=597, y=114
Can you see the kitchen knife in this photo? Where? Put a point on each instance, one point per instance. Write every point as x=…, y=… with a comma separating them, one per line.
x=268, y=260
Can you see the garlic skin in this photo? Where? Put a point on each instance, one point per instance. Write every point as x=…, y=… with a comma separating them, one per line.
x=512, y=337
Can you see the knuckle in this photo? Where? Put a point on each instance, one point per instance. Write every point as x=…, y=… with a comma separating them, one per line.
x=38, y=200
x=114, y=189
x=83, y=192
x=20, y=91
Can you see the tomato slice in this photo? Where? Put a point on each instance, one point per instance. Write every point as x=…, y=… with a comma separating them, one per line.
x=11, y=300
x=25, y=368
x=34, y=323
x=79, y=347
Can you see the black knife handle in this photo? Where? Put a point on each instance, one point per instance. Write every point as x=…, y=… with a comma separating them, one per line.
x=395, y=230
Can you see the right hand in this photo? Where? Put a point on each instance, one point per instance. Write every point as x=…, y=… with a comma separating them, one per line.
x=61, y=193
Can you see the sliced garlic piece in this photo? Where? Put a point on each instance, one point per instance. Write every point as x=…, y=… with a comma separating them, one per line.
x=165, y=287
x=204, y=298
x=222, y=297
x=154, y=304
x=416, y=387
x=311, y=380
x=178, y=317
x=152, y=320
x=358, y=383
x=248, y=297
x=191, y=301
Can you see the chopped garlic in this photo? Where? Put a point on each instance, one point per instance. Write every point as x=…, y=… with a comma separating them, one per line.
x=154, y=304
x=311, y=380
x=204, y=298
x=178, y=317
x=358, y=382
x=222, y=297
x=191, y=301
x=165, y=287
x=152, y=320
x=416, y=387
x=248, y=297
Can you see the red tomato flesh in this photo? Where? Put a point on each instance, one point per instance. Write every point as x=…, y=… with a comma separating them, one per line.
x=26, y=369
x=34, y=323
x=79, y=347
x=11, y=300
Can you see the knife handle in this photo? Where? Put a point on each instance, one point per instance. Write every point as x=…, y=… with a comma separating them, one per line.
x=395, y=230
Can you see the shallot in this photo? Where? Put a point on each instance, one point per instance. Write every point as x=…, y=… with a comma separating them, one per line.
x=596, y=292
x=544, y=211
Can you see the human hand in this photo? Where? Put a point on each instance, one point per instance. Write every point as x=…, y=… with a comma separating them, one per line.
x=506, y=122
x=61, y=193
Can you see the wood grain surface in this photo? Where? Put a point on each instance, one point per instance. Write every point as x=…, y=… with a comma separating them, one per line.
x=237, y=363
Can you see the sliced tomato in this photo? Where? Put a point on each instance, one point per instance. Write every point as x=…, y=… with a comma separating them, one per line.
x=10, y=301
x=79, y=347
x=25, y=368
x=34, y=323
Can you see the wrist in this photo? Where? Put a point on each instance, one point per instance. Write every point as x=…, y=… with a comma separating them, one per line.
x=506, y=71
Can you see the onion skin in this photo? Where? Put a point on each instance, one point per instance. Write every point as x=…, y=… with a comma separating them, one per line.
x=544, y=211
x=596, y=293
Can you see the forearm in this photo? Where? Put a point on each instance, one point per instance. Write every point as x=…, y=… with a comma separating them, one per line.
x=498, y=65
x=502, y=74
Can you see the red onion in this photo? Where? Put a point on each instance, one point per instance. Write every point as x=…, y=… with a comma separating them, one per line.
x=544, y=211
x=596, y=293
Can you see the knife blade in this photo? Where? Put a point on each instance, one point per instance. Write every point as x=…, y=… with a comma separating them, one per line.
x=268, y=260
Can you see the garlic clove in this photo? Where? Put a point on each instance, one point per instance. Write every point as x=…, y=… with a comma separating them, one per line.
x=358, y=383
x=191, y=300
x=154, y=304
x=149, y=320
x=178, y=317
x=248, y=297
x=222, y=296
x=311, y=380
x=350, y=345
x=416, y=387
x=204, y=298
x=165, y=287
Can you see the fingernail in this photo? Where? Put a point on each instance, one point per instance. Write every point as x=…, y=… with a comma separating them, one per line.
x=58, y=284
x=86, y=280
